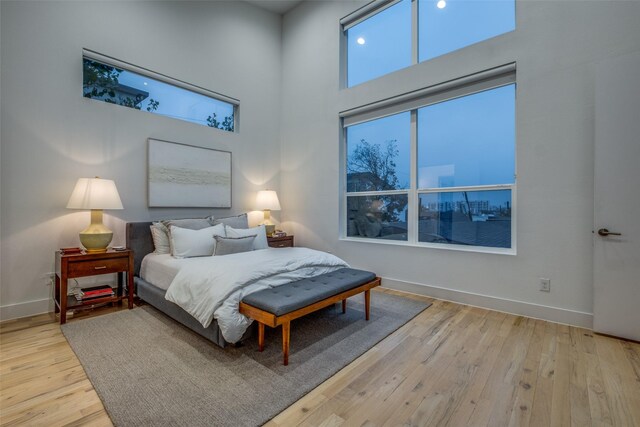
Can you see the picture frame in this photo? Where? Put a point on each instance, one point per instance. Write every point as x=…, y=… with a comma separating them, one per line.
x=187, y=176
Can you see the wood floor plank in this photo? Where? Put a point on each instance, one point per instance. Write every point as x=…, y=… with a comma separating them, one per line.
x=560, y=405
x=600, y=411
x=541, y=409
x=451, y=365
x=521, y=409
x=620, y=381
x=632, y=350
x=299, y=411
x=503, y=385
x=578, y=389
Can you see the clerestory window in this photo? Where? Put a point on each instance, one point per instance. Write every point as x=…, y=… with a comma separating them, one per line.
x=116, y=82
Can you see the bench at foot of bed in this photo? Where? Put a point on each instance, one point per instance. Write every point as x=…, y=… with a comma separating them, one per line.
x=282, y=304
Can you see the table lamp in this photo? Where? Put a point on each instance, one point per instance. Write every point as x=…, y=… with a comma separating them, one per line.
x=95, y=194
x=267, y=201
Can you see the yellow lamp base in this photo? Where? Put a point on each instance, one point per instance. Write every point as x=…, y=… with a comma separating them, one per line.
x=96, y=237
x=270, y=229
x=269, y=226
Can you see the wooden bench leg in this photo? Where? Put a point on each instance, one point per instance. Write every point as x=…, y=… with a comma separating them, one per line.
x=367, y=303
x=344, y=306
x=260, y=336
x=286, y=327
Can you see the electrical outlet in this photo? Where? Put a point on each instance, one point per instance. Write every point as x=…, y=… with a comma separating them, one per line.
x=545, y=285
x=50, y=279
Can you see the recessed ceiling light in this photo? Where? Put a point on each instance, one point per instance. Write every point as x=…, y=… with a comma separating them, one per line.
x=145, y=83
x=361, y=39
x=441, y=4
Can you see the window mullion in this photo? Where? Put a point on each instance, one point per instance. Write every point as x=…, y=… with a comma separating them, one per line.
x=414, y=31
x=377, y=193
x=466, y=188
x=412, y=208
x=343, y=182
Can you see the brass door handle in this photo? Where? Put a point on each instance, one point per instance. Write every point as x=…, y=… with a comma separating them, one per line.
x=100, y=268
x=604, y=232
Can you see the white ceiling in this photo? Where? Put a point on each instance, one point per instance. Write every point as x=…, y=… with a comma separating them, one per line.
x=278, y=6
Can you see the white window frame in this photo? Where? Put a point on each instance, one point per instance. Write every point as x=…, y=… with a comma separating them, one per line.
x=467, y=85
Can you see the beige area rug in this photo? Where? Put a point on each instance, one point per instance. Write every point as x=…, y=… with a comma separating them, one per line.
x=151, y=371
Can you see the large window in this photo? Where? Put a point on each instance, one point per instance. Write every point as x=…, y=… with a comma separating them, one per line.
x=440, y=172
x=115, y=82
x=388, y=35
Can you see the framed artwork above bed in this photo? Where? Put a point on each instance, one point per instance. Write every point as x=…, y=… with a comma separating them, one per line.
x=185, y=176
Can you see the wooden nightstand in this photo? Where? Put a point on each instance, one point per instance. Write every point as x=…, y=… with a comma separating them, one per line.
x=91, y=264
x=280, y=242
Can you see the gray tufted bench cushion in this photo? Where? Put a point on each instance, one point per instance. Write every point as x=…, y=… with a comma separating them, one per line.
x=282, y=304
x=292, y=296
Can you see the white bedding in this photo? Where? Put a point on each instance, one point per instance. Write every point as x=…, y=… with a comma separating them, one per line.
x=212, y=287
x=160, y=269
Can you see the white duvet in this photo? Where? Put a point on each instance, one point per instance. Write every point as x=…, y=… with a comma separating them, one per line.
x=212, y=287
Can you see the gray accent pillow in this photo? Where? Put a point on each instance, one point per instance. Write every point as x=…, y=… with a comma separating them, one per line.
x=260, y=242
x=238, y=221
x=233, y=245
x=189, y=223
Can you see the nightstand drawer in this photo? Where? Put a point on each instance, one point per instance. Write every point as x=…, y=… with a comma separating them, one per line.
x=100, y=266
x=280, y=242
x=286, y=244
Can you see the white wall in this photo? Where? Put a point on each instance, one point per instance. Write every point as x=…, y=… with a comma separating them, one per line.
x=557, y=45
x=51, y=135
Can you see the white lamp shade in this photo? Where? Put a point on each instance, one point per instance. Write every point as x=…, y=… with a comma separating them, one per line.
x=267, y=199
x=95, y=193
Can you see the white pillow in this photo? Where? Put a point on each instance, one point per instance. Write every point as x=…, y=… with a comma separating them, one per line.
x=260, y=241
x=160, y=238
x=186, y=243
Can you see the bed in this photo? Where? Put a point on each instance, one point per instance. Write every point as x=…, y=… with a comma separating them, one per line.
x=158, y=278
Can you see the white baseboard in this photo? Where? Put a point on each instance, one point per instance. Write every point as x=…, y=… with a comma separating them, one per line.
x=25, y=309
x=554, y=314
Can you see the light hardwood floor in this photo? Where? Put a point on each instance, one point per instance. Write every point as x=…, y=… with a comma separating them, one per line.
x=451, y=365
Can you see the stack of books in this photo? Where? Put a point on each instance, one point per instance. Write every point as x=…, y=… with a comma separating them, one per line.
x=101, y=291
x=71, y=251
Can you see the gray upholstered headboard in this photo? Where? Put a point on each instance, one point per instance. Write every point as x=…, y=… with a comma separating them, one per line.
x=140, y=241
